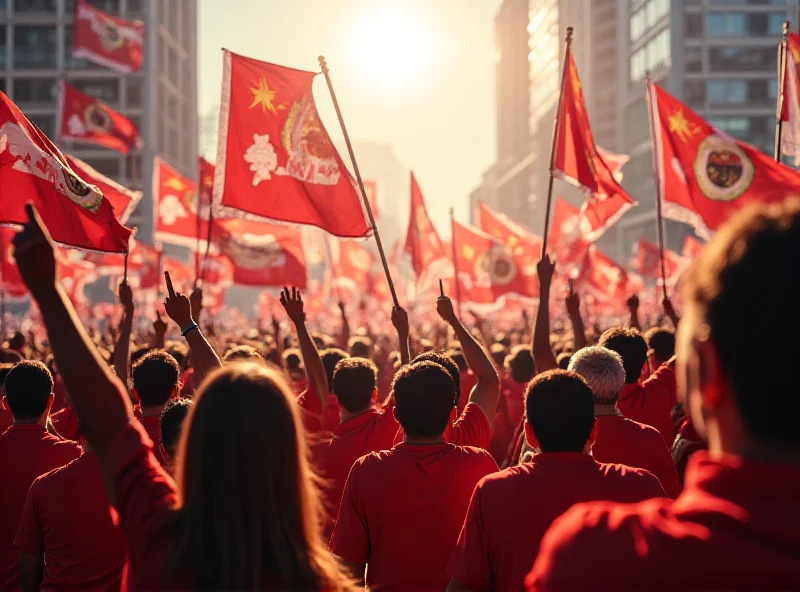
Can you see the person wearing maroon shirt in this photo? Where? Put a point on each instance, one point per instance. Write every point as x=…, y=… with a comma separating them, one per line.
x=511, y=510
x=27, y=450
x=402, y=508
x=156, y=380
x=735, y=525
x=519, y=370
x=66, y=537
x=171, y=423
x=619, y=439
x=660, y=346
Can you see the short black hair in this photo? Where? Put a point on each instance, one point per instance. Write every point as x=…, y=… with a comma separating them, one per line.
x=424, y=395
x=360, y=347
x=330, y=357
x=354, y=381
x=563, y=359
x=179, y=352
x=242, y=353
x=29, y=385
x=448, y=364
x=458, y=357
x=559, y=406
x=155, y=377
x=292, y=359
x=661, y=342
x=519, y=364
x=498, y=353
x=631, y=346
x=139, y=353
x=172, y=418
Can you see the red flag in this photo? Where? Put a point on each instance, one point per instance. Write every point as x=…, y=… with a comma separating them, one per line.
x=85, y=119
x=371, y=190
x=106, y=40
x=578, y=162
x=692, y=248
x=614, y=161
x=181, y=274
x=217, y=272
x=274, y=157
x=146, y=260
x=175, y=210
x=565, y=239
x=262, y=254
x=647, y=261
x=488, y=269
x=205, y=176
x=524, y=244
x=123, y=200
x=789, y=101
x=33, y=169
x=214, y=299
x=353, y=263
x=422, y=240
x=606, y=281
x=9, y=273
x=706, y=175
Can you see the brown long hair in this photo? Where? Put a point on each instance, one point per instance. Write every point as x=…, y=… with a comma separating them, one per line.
x=248, y=515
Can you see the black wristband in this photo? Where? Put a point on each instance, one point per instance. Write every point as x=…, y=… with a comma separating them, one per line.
x=189, y=329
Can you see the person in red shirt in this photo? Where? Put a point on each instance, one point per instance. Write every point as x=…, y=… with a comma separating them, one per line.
x=649, y=401
x=402, y=508
x=156, y=380
x=511, y=510
x=27, y=450
x=619, y=439
x=519, y=370
x=66, y=537
x=734, y=526
x=660, y=346
x=171, y=423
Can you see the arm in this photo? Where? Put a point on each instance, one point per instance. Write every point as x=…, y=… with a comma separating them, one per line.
x=670, y=312
x=31, y=571
x=276, y=336
x=400, y=322
x=633, y=307
x=122, y=350
x=292, y=302
x=543, y=357
x=344, y=338
x=159, y=332
x=573, y=303
x=485, y=392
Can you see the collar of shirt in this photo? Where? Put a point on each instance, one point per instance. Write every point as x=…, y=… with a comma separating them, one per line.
x=355, y=423
x=27, y=427
x=562, y=457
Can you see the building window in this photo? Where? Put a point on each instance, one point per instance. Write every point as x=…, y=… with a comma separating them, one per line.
x=775, y=24
x=655, y=11
x=35, y=47
x=107, y=90
x=693, y=59
x=735, y=126
x=637, y=24
x=35, y=90
x=46, y=123
x=693, y=25
x=726, y=24
x=726, y=92
x=134, y=8
x=34, y=5
x=3, y=47
x=742, y=58
x=134, y=92
x=694, y=93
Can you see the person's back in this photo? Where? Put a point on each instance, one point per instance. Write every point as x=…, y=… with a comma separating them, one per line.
x=734, y=526
x=66, y=523
x=27, y=450
x=511, y=510
x=402, y=509
x=156, y=380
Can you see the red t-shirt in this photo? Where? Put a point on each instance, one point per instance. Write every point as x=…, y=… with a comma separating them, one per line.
x=467, y=380
x=402, y=510
x=6, y=419
x=651, y=402
x=627, y=442
x=66, y=517
x=152, y=425
x=66, y=423
x=316, y=420
x=470, y=429
x=26, y=451
x=511, y=510
x=734, y=527
x=510, y=409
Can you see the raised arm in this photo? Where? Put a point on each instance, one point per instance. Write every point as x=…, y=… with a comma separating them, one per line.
x=97, y=396
x=573, y=303
x=292, y=302
x=670, y=312
x=122, y=350
x=487, y=389
x=633, y=307
x=159, y=332
x=400, y=322
x=179, y=310
x=541, y=351
x=344, y=337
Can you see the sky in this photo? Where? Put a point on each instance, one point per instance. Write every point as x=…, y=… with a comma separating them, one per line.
x=415, y=74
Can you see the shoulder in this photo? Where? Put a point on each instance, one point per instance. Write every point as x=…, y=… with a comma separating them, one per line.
x=645, y=431
x=373, y=460
x=65, y=447
x=473, y=454
x=50, y=479
x=620, y=471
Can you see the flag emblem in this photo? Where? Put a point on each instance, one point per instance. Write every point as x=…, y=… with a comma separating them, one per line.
x=495, y=267
x=110, y=37
x=251, y=251
x=722, y=168
x=97, y=119
x=311, y=154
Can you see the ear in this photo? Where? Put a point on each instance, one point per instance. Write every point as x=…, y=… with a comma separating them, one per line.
x=645, y=373
x=176, y=392
x=163, y=452
x=453, y=414
x=375, y=394
x=394, y=414
x=710, y=376
x=592, y=434
x=5, y=404
x=50, y=400
x=530, y=436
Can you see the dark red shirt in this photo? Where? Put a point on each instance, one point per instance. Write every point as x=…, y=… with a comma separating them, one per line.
x=66, y=423
x=652, y=401
x=627, y=442
x=152, y=425
x=470, y=429
x=734, y=527
x=67, y=517
x=511, y=510
x=26, y=451
x=402, y=510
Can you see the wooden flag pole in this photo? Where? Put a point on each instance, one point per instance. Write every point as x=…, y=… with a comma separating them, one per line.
x=324, y=66
x=198, y=226
x=455, y=260
x=555, y=139
x=125, y=271
x=781, y=76
x=208, y=245
x=656, y=160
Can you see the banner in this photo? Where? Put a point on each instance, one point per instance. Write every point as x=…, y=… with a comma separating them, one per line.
x=106, y=40
x=175, y=208
x=123, y=200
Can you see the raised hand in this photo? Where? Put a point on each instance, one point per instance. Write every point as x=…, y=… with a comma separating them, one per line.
x=126, y=296
x=177, y=306
x=159, y=326
x=35, y=254
x=444, y=306
x=573, y=303
x=196, y=302
x=545, y=269
x=400, y=321
x=633, y=303
x=292, y=302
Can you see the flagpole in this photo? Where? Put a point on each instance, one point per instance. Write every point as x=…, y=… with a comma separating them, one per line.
x=781, y=76
x=556, y=123
x=334, y=275
x=654, y=143
x=324, y=66
x=208, y=244
x=455, y=260
x=198, y=227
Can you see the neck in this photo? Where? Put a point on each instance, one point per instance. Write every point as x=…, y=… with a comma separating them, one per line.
x=424, y=439
x=346, y=415
x=149, y=411
x=42, y=421
x=605, y=408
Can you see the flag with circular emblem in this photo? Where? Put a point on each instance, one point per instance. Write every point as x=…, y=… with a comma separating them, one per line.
x=105, y=39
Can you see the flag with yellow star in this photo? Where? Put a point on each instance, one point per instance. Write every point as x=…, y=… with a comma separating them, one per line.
x=705, y=175
x=524, y=244
x=275, y=159
x=578, y=161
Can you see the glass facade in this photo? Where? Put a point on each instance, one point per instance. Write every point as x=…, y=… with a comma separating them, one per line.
x=35, y=47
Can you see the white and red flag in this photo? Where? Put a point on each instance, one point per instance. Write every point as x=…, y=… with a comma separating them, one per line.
x=422, y=241
x=274, y=158
x=353, y=263
x=789, y=101
x=123, y=200
x=647, y=261
x=692, y=248
x=105, y=39
x=566, y=241
x=523, y=244
x=84, y=118
x=175, y=208
x=605, y=280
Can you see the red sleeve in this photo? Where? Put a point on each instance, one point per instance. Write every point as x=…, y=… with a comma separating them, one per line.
x=311, y=410
x=469, y=565
x=350, y=539
x=663, y=384
x=29, y=533
x=471, y=429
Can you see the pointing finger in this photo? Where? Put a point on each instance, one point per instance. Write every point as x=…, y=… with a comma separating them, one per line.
x=170, y=289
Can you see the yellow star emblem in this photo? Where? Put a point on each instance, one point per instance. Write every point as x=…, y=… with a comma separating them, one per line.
x=263, y=95
x=175, y=184
x=680, y=126
x=469, y=252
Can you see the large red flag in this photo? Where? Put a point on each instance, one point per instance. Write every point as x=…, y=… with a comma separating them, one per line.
x=274, y=157
x=106, y=40
x=217, y=271
x=578, y=162
x=422, y=240
x=146, y=261
x=9, y=273
x=647, y=261
x=706, y=175
x=565, y=239
x=175, y=207
x=488, y=268
x=353, y=263
x=33, y=169
x=123, y=200
x=606, y=281
x=371, y=191
x=524, y=244
x=85, y=119
x=789, y=101
x=262, y=254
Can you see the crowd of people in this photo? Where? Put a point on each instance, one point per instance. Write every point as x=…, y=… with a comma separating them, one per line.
x=464, y=458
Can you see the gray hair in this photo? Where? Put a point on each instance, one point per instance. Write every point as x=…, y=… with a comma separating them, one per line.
x=602, y=368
